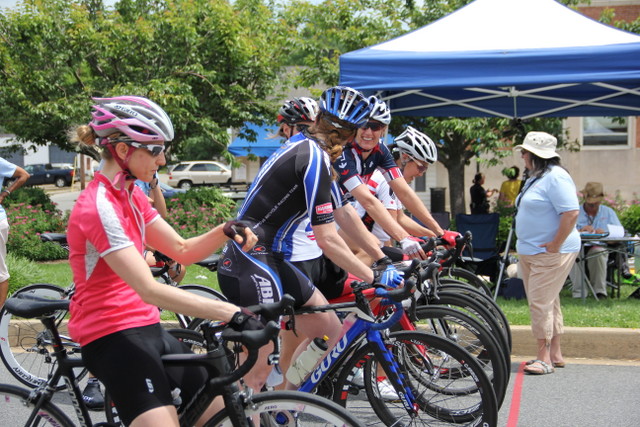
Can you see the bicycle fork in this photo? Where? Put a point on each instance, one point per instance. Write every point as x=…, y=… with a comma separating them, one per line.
x=392, y=370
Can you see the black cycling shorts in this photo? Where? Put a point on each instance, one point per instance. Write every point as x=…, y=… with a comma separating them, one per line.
x=325, y=275
x=128, y=364
x=256, y=278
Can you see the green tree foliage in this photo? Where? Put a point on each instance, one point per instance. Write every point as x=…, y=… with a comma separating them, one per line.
x=212, y=64
x=333, y=27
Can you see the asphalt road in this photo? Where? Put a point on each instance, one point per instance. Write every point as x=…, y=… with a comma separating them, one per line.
x=585, y=393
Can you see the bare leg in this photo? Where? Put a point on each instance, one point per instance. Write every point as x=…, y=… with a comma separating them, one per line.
x=314, y=325
x=4, y=290
x=555, y=352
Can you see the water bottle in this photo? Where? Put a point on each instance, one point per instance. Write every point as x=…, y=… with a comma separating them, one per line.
x=307, y=360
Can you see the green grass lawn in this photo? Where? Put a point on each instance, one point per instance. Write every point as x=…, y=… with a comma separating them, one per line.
x=613, y=312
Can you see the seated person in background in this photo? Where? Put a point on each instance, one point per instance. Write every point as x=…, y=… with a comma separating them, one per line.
x=479, y=196
x=511, y=187
x=594, y=218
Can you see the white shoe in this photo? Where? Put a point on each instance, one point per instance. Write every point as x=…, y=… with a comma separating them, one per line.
x=386, y=391
x=358, y=378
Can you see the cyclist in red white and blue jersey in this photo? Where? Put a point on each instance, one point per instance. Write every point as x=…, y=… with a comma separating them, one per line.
x=294, y=184
x=366, y=154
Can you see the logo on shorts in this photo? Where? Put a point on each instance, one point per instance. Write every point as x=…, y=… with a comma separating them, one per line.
x=264, y=287
x=259, y=248
x=227, y=263
x=149, y=385
x=324, y=209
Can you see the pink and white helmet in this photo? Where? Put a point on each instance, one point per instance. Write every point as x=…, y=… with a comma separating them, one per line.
x=140, y=119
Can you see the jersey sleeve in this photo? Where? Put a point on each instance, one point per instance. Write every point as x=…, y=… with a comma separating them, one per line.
x=347, y=169
x=388, y=166
x=103, y=226
x=316, y=174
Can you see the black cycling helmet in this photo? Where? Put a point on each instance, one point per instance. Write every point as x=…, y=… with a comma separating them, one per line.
x=298, y=110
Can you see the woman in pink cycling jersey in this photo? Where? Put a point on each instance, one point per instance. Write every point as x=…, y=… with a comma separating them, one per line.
x=114, y=311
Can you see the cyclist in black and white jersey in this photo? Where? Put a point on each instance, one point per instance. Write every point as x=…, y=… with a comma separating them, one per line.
x=295, y=116
x=360, y=159
x=293, y=184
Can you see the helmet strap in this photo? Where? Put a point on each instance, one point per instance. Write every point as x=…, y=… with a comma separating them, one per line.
x=123, y=163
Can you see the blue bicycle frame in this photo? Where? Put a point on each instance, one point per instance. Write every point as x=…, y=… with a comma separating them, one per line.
x=372, y=331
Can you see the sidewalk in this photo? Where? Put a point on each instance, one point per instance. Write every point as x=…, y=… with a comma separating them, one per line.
x=590, y=343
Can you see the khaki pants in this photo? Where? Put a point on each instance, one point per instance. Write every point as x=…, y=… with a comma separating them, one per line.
x=543, y=276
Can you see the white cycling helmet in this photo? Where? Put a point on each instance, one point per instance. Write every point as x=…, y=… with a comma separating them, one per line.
x=380, y=111
x=417, y=145
x=140, y=119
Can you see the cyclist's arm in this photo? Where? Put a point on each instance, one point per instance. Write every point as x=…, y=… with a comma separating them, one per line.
x=378, y=212
x=349, y=221
x=413, y=203
x=413, y=227
x=164, y=238
x=337, y=251
x=155, y=193
x=132, y=268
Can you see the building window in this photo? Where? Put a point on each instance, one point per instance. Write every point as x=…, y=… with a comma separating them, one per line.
x=605, y=131
x=420, y=183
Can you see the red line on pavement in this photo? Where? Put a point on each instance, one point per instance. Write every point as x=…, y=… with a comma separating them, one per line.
x=514, y=410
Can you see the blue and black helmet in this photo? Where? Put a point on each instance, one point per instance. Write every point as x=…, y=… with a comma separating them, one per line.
x=346, y=104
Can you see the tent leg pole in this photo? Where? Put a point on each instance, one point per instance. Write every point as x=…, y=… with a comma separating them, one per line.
x=503, y=263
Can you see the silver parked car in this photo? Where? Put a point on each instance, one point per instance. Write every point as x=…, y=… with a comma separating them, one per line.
x=201, y=172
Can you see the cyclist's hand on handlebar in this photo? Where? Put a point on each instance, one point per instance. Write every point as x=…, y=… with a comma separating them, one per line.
x=389, y=277
x=245, y=320
x=240, y=233
x=450, y=237
x=411, y=246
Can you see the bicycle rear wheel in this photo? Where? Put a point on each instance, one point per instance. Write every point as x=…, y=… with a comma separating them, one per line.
x=16, y=409
x=25, y=345
x=204, y=291
x=291, y=408
x=448, y=384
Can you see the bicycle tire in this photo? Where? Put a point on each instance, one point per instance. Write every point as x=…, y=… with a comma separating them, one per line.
x=469, y=333
x=29, y=361
x=470, y=306
x=488, y=302
x=204, y=291
x=435, y=392
x=16, y=409
x=278, y=408
x=488, y=305
x=466, y=276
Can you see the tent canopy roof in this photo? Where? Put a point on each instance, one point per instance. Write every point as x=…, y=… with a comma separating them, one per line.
x=263, y=146
x=507, y=58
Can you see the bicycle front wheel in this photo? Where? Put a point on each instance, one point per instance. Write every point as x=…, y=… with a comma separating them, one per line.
x=448, y=384
x=290, y=408
x=25, y=345
x=203, y=291
x=17, y=408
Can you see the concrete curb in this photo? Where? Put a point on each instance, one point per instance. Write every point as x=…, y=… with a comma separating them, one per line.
x=591, y=343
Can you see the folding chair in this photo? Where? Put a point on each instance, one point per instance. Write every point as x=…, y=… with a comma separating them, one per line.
x=484, y=256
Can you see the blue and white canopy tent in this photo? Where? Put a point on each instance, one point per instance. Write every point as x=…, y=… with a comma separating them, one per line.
x=263, y=146
x=505, y=58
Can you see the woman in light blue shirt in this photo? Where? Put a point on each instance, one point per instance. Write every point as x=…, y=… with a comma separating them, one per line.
x=548, y=244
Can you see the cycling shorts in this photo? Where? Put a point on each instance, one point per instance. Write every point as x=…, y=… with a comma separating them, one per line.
x=260, y=277
x=128, y=364
x=325, y=275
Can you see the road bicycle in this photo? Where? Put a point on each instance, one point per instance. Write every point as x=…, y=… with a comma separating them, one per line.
x=436, y=381
x=27, y=407
x=25, y=346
